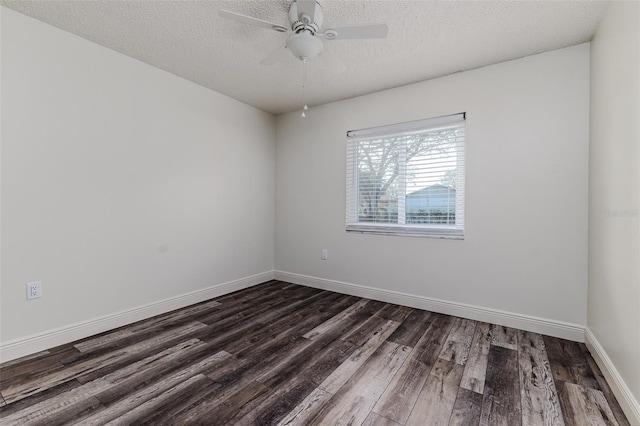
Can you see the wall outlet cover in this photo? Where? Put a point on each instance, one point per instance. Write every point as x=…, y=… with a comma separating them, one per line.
x=34, y=290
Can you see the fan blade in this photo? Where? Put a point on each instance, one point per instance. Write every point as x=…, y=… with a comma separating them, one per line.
x=275, y=56
x=333, y=63
x=308, y=7
x=362, y=31
x=251, y=21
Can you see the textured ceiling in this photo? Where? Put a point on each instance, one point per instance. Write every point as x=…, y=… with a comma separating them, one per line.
x=426, y=39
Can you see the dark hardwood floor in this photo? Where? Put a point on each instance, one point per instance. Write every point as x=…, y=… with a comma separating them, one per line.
x=284, y=354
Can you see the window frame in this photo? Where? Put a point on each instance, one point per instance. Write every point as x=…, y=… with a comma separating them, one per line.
x=433, y=230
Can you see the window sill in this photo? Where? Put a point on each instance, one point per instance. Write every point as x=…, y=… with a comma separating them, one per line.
x=441, y=233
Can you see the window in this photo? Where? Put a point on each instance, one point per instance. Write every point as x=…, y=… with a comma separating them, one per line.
x=407, y=178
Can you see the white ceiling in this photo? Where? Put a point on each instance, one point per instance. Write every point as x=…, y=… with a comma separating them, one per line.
x=426, y=39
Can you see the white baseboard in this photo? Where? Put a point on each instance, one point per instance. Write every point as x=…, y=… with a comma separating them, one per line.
x=524, y=322
x=627, y=401
x=42, y=341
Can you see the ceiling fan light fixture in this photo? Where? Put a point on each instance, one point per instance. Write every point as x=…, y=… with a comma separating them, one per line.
x=304, y=46
x=306, y=18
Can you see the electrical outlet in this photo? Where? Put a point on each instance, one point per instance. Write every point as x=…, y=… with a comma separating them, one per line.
x=325, y=254
x=34, y=290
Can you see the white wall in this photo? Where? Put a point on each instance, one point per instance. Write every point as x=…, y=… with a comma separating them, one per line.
x=525, y=249
x=122, y=185
x=614, y=201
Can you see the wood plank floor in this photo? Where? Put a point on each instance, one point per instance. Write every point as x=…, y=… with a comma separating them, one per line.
x=282, y=354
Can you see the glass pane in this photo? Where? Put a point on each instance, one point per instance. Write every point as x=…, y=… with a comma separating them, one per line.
x=377, y=181
x=431, y=178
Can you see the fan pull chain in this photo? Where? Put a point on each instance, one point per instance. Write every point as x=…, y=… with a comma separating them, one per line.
x=304, y=86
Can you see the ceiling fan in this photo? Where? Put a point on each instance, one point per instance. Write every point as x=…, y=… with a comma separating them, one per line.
x=305, y=19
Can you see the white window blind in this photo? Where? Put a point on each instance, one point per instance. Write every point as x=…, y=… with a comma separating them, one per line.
x=407, y=178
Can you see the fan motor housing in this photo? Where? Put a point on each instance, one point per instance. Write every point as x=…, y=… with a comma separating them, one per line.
x=303, y=22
